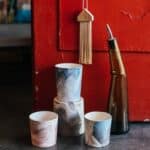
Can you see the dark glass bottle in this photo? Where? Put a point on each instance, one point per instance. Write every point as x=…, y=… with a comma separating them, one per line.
x=118, y=97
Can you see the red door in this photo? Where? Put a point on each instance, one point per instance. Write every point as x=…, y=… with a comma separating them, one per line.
x=55, y=31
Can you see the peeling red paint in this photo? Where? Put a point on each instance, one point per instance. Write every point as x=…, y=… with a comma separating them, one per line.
x=36, y=88
x=135, y=18
x=62, y=57
x=36, y=72
x=128, y=14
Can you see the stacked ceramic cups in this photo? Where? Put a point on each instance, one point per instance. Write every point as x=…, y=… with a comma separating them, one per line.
x=68, y=103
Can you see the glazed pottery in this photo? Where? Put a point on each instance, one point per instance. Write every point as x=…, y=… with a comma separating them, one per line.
x=68, y=81
x=43, y=128
x=97, y=129
x=71, y=117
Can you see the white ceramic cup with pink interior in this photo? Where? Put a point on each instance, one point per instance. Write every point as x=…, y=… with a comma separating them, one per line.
x=43, y=128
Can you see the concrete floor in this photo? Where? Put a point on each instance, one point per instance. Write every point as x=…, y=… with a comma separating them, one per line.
x=15, y=107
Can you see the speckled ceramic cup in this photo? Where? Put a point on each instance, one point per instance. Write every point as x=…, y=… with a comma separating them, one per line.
x=68, y=81
x=97, y=129
x=71, y=117
x=43, y=128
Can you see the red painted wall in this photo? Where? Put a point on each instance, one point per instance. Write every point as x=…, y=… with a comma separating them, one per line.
x=55, y=41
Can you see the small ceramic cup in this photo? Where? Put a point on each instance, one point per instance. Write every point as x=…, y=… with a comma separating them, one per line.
x=71, y=117
x=43, y=128
x=68, y=81
x=97, y=129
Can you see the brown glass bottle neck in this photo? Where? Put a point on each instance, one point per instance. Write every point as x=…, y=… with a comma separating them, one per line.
x=117, y=66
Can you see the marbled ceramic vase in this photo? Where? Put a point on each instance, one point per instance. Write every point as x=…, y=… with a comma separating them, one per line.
x=71, y=117
x=97, y=129
x=68, y=81
x=43, y=128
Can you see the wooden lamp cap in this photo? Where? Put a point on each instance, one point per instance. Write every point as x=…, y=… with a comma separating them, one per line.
x=85, y=16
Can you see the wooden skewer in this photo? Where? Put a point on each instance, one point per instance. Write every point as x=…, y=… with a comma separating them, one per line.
x=109, y=31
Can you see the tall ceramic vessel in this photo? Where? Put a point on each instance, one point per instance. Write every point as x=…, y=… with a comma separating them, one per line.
x=68, y=103
x=68, y=81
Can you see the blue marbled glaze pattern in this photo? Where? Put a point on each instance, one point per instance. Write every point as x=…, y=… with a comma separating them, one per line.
x=65, y=73
x=68, y=82
x=97, y=133
x=101, y=131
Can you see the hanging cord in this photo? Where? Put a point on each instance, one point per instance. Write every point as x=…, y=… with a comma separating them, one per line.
x=85, y=4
